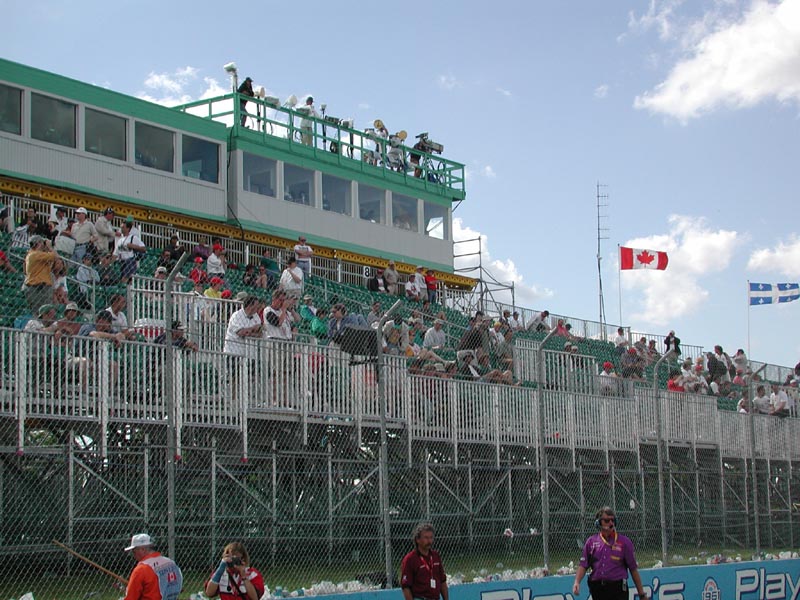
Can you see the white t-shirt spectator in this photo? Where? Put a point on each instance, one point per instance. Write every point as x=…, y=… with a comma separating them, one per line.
x=215, y=266
x=236, y=345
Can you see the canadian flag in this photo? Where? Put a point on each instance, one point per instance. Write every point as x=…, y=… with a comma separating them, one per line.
x=635, y=258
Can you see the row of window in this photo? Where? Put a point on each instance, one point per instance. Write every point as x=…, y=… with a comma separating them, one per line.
x=56, y=122
x=260, y=176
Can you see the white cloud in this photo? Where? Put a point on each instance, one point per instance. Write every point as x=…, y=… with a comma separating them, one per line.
x=601, y=91
x=733, y=64
x=214, y=89
x=488, y=172
x=659, y=16
x=448, y=82
x=504, y=92
x=695, y=251
x=170, y=88
x=504, y=271
x=784, y=258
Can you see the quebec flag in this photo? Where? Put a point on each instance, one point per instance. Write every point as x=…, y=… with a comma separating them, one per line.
x=773, y=293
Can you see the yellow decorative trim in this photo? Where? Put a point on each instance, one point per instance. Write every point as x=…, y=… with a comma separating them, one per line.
x=63, y=197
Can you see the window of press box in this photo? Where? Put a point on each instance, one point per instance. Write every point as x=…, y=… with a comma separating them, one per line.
x=53, y=120
x=404, y=212
x=105, y=134
x=371, y=203
x=435, y=221
x=260, y=174
x=10, y=109
x=155, y=147
x=298, y=185
x=336, y=194
x=200, y=159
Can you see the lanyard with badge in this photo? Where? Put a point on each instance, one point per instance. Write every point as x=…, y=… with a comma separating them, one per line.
x=430, y=568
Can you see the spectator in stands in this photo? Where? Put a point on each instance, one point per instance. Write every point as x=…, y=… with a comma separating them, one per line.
x=302, y=254
x=740, y=361
x=726, y=360
x=128, y=245
x=515, y=323
x=198, y=274
x=717, y=370
x=539, y=322
x=292, y=279
x=59, y=215
x=64, y=243
x=391, y=278
x=396, y=335
x=435, y=337
x=606, y=385
x=165, y=260
x=265, y=280
x=278, y=317
x=672, y=342
x=621, y=342
x=374, y=315
x=419, y=282
x=217, y=262
x=475, y=338
x=743, y=406
x=412, y=291
x=38, y=268
x=779, y=402
x=6, y=222
x=633, y=365
x=107, y=270
x=761, y=403
x=52, y=231
x=249, y=276
x=5, y=264
x=102, y=329
x=376, y=283
x=652, y=353
x=133, y=227
x=70, y=323
x=106, y=234
x=119, y=320
x=430, y=285
x=201, y=250
x=641, y=347
x=35, y=225
x=307, y=310
x=561, y=329
x=505, y=351
x=675, y=383
x=160, y=274
x=178, y=338
x=175, y=247
x=84, y=233
x=505, y=318
x=694, y=381
x=319, y=324
x=341, y=320
x=60, y=289
x=214, y=291
x=45, y=321
x=243, y=327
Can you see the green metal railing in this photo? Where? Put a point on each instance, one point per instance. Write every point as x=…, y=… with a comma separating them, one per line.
x=333, y=142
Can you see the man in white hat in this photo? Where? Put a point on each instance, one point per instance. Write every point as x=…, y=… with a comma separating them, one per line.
x=155, y=577
x=84, y=233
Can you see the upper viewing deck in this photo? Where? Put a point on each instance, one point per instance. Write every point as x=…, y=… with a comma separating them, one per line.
x=296, y=135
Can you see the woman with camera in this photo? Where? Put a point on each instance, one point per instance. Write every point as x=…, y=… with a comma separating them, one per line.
x=235, y=578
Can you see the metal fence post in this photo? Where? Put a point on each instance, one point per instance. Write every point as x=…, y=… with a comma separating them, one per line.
x=660, y=457
x=540, y=379
x=384, y=454
x=752, y=427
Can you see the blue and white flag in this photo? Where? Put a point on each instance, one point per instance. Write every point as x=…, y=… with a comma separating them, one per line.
x=773, y=293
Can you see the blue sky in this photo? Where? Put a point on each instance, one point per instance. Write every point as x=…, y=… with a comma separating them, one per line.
x=686, y=111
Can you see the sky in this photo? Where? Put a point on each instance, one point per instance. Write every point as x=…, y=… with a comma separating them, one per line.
x=687, y=113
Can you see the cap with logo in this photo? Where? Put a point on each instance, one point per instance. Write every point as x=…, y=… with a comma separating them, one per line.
x=139, y=540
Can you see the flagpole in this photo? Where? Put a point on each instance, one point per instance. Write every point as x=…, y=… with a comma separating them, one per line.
x=748, y=320
x=619, y=286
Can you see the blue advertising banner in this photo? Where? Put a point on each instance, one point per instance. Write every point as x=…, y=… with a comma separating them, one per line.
x=765, y=580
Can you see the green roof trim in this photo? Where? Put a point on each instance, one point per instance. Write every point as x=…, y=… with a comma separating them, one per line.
x=102, y=98
x=103, y=194
x=338, y=245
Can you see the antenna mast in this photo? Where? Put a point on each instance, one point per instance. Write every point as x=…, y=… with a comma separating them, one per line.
x=602, y=234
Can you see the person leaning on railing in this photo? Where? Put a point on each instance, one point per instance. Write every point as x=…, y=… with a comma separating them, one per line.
x=234, y=578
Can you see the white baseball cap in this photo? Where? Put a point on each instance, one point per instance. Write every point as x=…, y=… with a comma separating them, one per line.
x=139, y=540
x=82, y=211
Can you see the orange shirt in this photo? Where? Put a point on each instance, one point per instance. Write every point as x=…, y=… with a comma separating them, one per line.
x=143, y=582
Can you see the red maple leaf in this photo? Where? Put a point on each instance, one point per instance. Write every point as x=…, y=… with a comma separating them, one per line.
x=645, y=257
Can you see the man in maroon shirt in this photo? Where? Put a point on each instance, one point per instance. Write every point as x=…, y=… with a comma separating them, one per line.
x=422, y=572
x=610, y=557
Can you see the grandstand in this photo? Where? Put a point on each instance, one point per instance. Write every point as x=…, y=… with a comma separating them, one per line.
x=305, y=444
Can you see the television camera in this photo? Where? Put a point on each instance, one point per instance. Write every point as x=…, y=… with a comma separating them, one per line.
x=428, y=145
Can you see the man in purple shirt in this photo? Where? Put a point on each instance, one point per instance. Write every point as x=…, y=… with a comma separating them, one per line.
x=609, y=555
